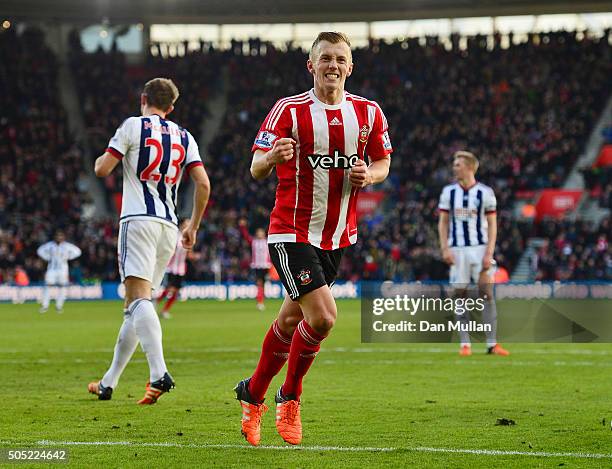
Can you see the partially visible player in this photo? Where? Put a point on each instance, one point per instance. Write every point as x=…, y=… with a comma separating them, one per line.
x=260, y=259
x=57, y=253
x=176, y=270
x=154, y=152
x=467, y=229
x=318, y=143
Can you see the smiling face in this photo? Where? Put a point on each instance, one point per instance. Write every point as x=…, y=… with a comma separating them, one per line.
x=330, y=65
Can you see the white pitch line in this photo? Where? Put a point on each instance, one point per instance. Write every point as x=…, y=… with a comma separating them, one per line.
x=366, y=350
x=458, y=362
x=398, y=350
x=215, y=446
x=495, y=452
x=361, y=449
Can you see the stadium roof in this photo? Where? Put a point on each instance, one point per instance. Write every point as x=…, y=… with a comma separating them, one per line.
x=275, y=11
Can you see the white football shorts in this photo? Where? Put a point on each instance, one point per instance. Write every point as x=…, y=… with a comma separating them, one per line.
x=144, y=249
x=468, y=265
x=56, y=277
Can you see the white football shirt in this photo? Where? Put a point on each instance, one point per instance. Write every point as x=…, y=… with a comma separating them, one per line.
x=58, y=255
x=154, y=153
x=467, y=209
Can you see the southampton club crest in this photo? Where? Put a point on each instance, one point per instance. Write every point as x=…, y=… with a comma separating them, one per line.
x=304, y=276
x=363, y=133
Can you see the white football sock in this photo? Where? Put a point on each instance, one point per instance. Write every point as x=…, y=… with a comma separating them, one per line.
x=61, y=297
x=46, y=297
x=148, y=329
x=127, y=341
x=489, y=316
x=464, y=336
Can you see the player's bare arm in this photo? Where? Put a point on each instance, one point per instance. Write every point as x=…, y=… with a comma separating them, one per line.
x=200, y=200
x=492, y=238
x=105, y=164
x=447, y=255
x=362, y=175
x=264, y=162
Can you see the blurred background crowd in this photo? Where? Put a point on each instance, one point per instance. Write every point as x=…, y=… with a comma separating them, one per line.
x=526, y=111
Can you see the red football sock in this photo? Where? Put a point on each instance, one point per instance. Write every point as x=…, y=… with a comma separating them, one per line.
x=162, y=297
x=274, y=354
x=171, y=299
x=260, y=294
x=305, y=345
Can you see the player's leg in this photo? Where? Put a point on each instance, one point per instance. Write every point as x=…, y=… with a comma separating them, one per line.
x=175, y=283
x=61, y=292
x=460, y=281
x=126, y=344
x=489, y=314
x=146, y=320
x=146, y=324
x=127, y=340
x=274, y=354
x=275, y=349
x=319, y=309
x=163, y=295
x=260, y=279
x=46, y=296
x=312, y=272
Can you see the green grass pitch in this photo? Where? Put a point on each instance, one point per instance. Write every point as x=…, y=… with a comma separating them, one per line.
x=364, y=405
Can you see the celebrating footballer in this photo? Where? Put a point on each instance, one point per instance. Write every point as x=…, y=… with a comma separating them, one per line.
x=318, y=142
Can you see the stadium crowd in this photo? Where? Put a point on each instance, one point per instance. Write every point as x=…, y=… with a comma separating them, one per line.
x=574, y=251
x=526, y=111
x=43, y=185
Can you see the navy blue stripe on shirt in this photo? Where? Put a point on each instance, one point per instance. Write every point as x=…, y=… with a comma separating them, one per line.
x=163, y=167
x=466, y=226
x=452, y=214
x=185, y=143
x=143, y=162
x=479, y=216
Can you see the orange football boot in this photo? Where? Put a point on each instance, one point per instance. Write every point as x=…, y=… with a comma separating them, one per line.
x=251, y=413
x=465, y=350
x=498, y=350
x=103, y=393
x=288, y=421
x=153, y=391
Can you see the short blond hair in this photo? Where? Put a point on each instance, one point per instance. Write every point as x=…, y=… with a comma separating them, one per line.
x=161, y=93
x=329, y=36
x=468, y=157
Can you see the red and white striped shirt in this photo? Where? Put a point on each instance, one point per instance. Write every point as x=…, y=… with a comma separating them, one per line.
x=260, y=255
x=315, y=202
x=178, y=262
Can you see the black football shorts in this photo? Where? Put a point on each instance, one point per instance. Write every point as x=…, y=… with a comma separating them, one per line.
x=175, y=281
x=303, y=268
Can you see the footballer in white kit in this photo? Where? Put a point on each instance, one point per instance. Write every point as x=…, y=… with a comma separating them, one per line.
x=154, y=152
x=467, y=230
x=57, y=253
